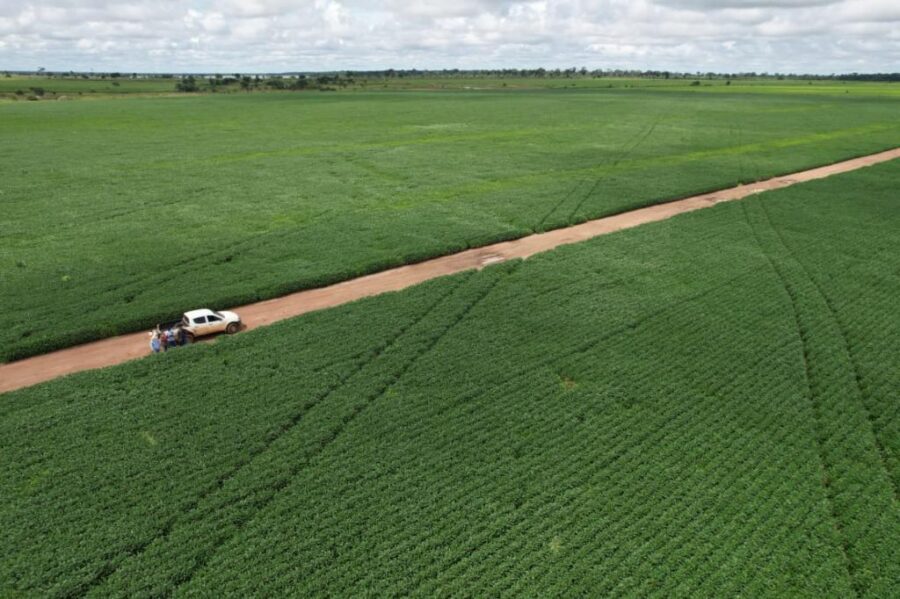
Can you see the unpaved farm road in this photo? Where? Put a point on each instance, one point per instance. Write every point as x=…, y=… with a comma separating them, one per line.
x=116, y=350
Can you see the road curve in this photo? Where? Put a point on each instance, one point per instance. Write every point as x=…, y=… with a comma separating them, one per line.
x=115, y=350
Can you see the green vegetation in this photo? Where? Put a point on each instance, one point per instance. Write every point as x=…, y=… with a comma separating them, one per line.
x=73, y=87
x=700, y=407
x=119, y=214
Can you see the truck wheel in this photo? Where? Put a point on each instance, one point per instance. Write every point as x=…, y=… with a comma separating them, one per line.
x=232, y=328
x=190, y=337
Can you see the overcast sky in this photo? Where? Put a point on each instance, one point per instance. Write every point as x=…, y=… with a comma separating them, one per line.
x=812, y=36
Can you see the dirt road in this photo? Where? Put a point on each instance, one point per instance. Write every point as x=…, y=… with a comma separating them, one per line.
x=116, y=350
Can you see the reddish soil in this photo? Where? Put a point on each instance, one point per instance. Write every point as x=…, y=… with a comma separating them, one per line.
x=116, y=350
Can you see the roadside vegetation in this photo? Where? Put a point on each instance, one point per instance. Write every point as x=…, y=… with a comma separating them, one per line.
x=704, y=406
x=122, y=214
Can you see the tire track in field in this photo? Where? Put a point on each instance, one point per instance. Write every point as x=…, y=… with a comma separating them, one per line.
x=686, y=411
x=346, y=421
x=815, y=408
x=626, y=327
x=144, y=284
x=860, y=485
x=253, y=242
x=623, y=156
x=563, y=200
x=839, y=325
x=529, y=369
x=137, y=549
x=107, y=352
x=624, y=153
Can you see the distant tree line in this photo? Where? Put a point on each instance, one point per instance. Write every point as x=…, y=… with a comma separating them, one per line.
x=894, y=77
x=294, y=82
x=583, y=72
x=339, y=78
x=334, y=80
x=330, y=81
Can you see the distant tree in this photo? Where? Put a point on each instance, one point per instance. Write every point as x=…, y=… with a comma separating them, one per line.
x=695, y=83
x=187, y=84
x=37, y=91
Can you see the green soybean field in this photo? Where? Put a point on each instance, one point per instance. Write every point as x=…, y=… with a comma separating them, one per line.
x=705, y=406
x=119, y=213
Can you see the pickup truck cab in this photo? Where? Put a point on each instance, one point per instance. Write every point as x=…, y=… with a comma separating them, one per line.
x=198, y=323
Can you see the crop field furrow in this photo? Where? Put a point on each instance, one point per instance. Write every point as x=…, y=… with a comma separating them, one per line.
x=698, y=512
x=598, y=171
x=626, y=152
x=472, y=556
x=142, y=283
x=222, y=515
x=345, y=523
x=742, y=545
x=115, y=231
x=456, y=494
x=826, y=475
x=285, y=427
x=483, y=541
x=614, y=162
x=687, y=408
x=744, y=534
x=860, y=394
x=564, y=517
x=652, y=505
x=562, y=200
x=851, y=456
x=346, y=422
x=436, y=541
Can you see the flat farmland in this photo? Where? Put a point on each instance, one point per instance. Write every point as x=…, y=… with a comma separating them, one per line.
x=704, y=406
x=119, y=213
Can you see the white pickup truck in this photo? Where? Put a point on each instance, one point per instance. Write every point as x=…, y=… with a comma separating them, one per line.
x=198, y=323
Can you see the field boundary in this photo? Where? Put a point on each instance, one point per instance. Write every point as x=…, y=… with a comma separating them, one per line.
x=123, y=348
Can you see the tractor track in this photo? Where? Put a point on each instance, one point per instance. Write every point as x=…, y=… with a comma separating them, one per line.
x=123, y=348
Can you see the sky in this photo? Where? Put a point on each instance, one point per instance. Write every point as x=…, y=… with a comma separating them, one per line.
x=787, y=36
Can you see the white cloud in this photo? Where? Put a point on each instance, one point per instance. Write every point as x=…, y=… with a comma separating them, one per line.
x=274, y=35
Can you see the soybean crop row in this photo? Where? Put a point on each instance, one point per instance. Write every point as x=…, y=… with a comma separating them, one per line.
x=700, y=407
x=119, y=214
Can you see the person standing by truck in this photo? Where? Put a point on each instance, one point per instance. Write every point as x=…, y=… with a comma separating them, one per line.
x=154, y=342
